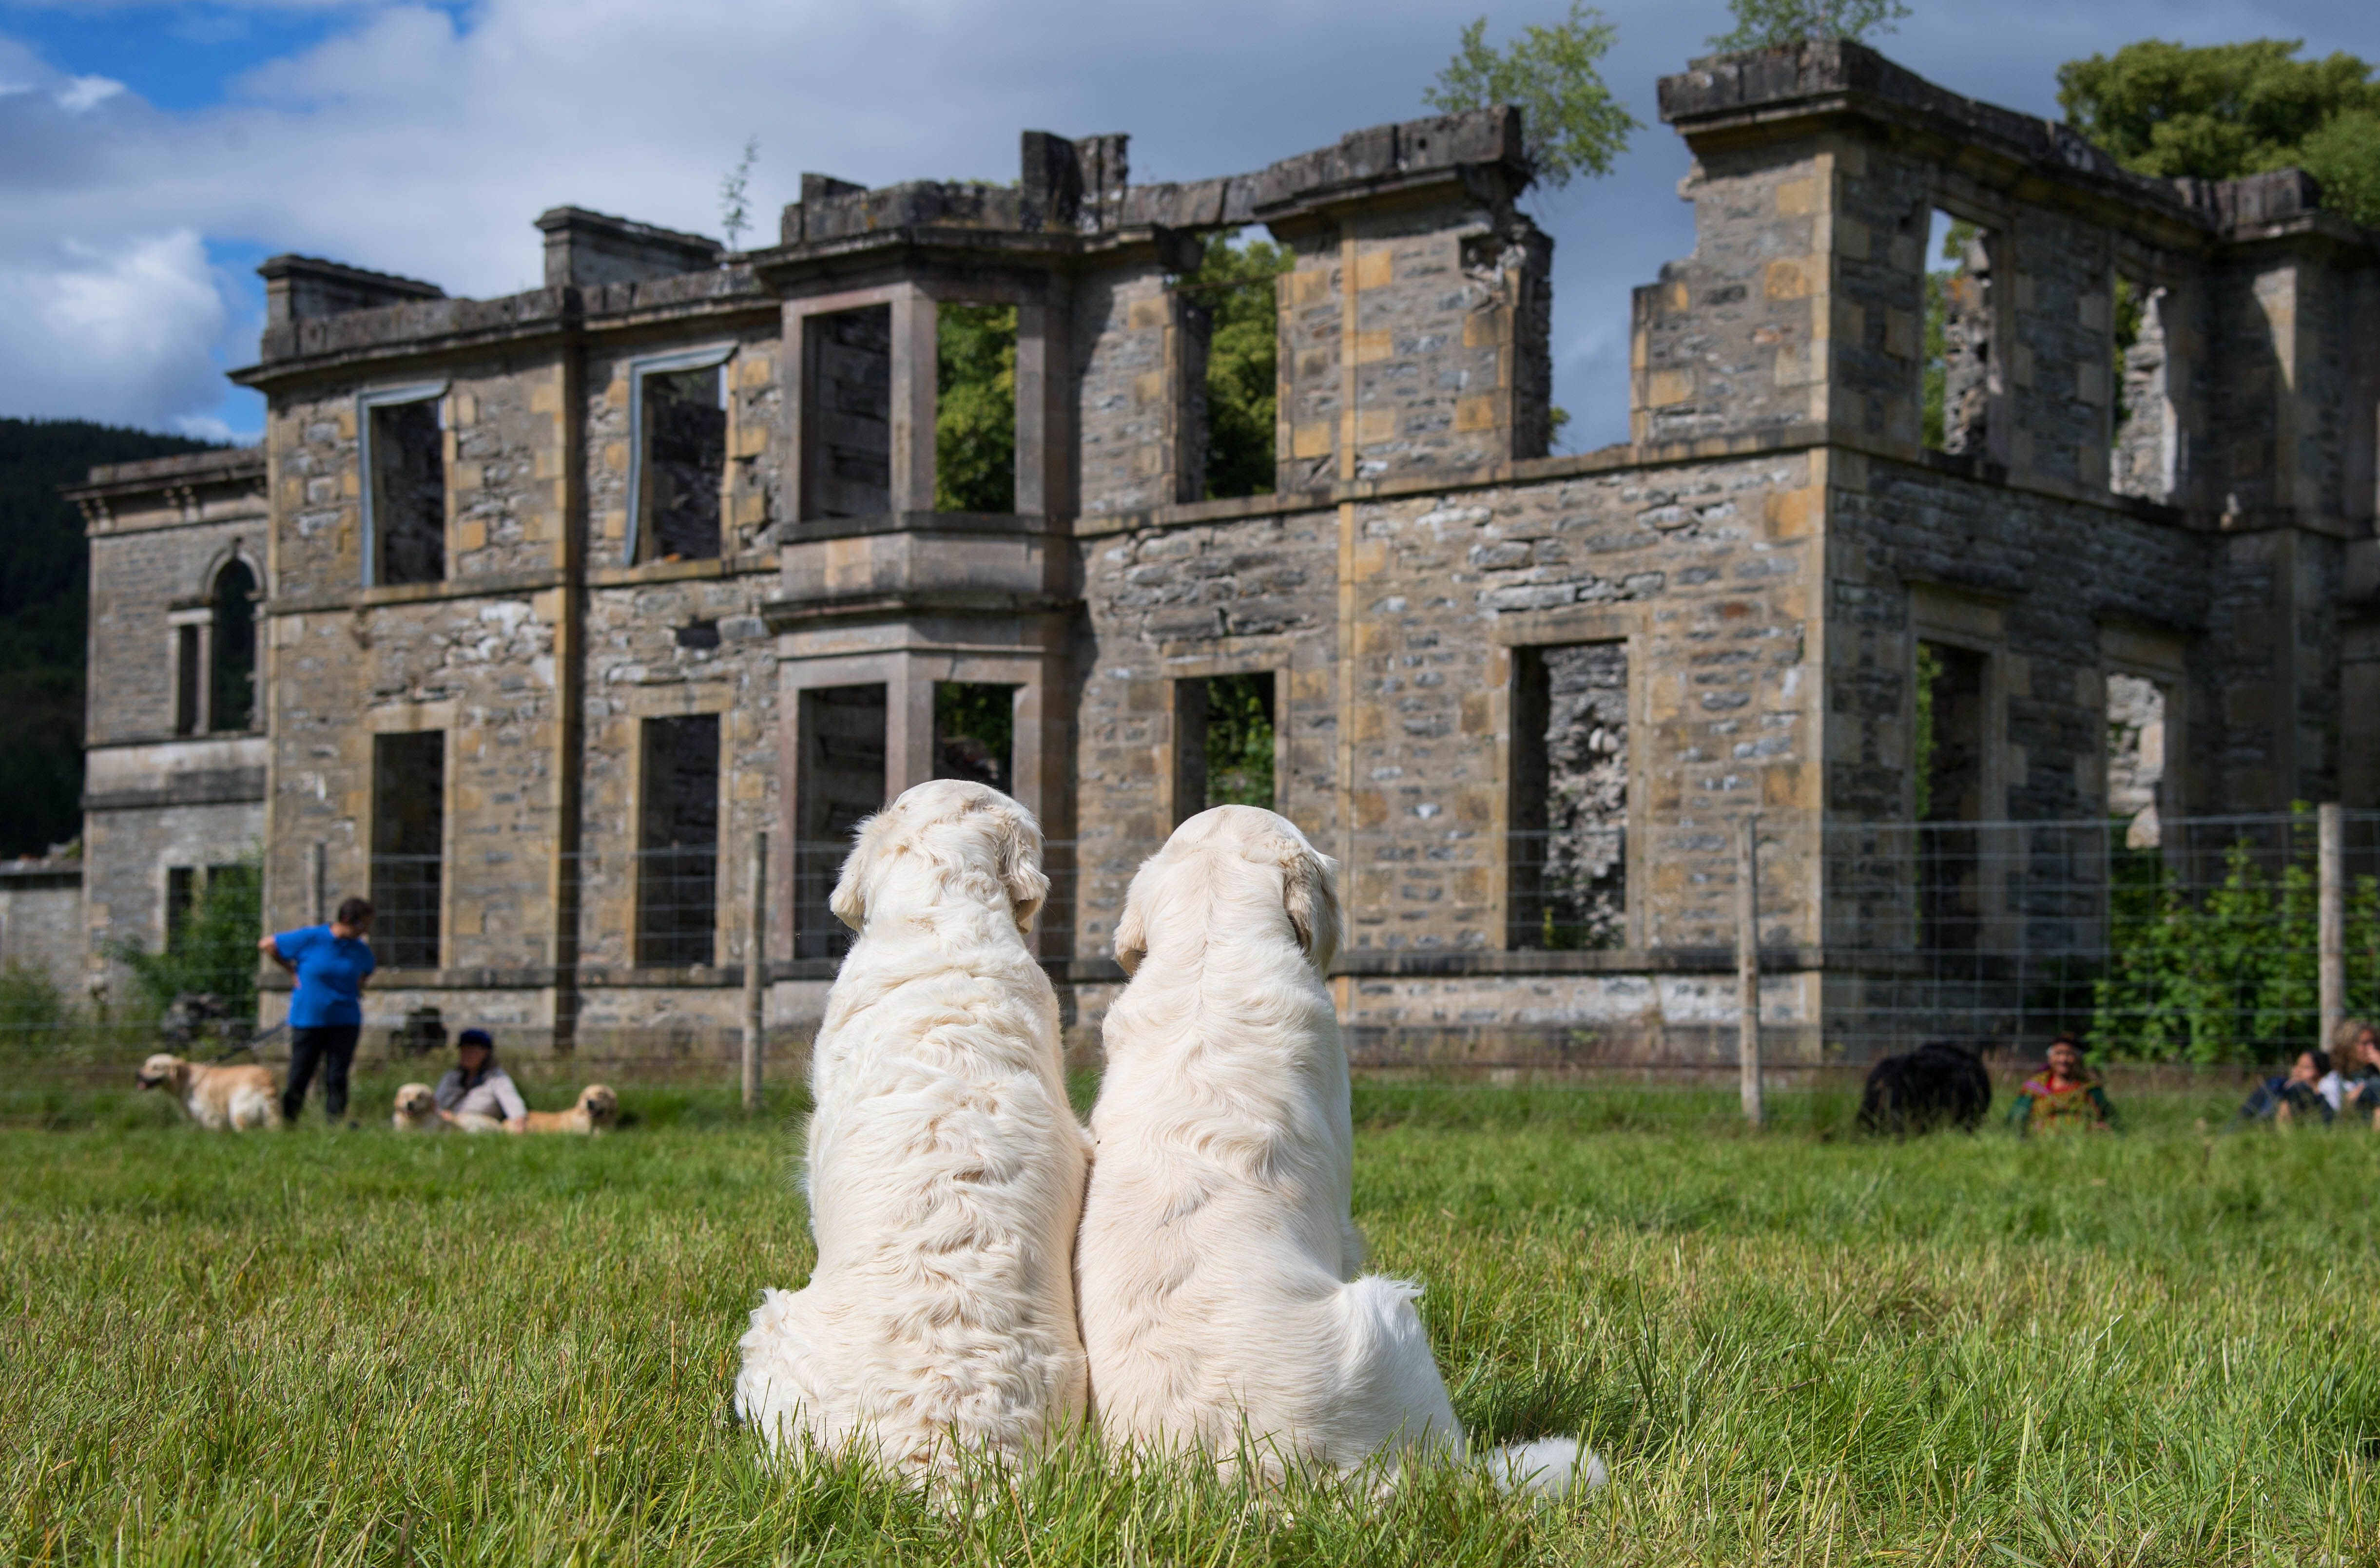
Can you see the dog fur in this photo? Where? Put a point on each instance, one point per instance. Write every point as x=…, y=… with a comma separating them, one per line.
x=234, y=1099
x=1919, y=1090
x=1217, y=1264
x=416, y=1110
x=596, y=1110
x=945, y=1171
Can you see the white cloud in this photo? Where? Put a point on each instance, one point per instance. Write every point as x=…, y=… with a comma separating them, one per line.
x=85, y=92
x=423, y=141
x=120, y=331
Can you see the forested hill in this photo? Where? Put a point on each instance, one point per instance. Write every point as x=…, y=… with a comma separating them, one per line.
x=45, y=598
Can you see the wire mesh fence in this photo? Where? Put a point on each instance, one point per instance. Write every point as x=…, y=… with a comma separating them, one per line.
x=2188, y=941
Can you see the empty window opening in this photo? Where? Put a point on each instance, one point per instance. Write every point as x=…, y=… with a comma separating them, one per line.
x=1949, y=774
x=2136, y=757
x=1960, y=373
x=684, y=430
x=1568, y=859
x=1232, y=298
x=181, y=901
x=2145, y=453
x=232, y=683
x=975, y=408
x=408, y=846
x=408, y=481
x=839, y=782
x=848, y=398
x=1223, y=742
x=677, y=843
x=975, y=732
x=189, y=675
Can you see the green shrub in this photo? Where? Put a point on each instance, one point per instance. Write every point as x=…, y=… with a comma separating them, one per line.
x=214, y=950
x=33, y=1011
x=2229, y=975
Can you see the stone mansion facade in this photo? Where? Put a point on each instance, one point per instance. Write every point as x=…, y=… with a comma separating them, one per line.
x=530, y=614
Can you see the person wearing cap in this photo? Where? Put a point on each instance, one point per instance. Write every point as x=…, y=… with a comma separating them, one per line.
x=476, y=1094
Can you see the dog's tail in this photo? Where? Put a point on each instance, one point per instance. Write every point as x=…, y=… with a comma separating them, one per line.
x=1550, y=1467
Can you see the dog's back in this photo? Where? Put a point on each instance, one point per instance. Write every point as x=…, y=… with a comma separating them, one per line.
x=1918, y=1090
x=945, y=1167
x=1217, y=1258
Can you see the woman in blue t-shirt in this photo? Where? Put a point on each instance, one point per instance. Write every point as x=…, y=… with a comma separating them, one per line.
x=326, y=1011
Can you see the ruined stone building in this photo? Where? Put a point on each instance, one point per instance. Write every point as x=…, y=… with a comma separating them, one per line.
x=558, y=601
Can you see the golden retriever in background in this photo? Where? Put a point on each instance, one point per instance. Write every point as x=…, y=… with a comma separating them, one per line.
x=945, y=1168
x=416, y=1110
x=598, y=1110
x=1219, y=1270
x=234, y=1098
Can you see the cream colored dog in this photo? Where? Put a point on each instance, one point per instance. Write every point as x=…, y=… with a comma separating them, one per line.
x=235, y=1098
x=1218, y=1261
x=416, y=1110
x=597, y=1109
x=945, y=1174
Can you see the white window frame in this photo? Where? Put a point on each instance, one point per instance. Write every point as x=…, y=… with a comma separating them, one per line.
x=714, y=357
x=382, y=397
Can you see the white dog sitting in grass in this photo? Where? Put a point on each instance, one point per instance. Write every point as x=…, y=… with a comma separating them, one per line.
x=1218, y=1259
x=233, y=1099
x=945, y=1173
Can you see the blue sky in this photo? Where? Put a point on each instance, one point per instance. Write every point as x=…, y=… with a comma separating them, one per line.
x=151, y=153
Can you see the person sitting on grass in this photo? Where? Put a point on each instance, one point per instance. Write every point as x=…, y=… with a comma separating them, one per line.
x=2064, y=1096
x=477, y=1095
x=2286, y=1097
x=2355, y=1052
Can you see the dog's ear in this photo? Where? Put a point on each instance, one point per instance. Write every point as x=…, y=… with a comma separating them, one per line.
x=1131, y=936
x=1310, y=892
x=849, y=902
x=1020, y=861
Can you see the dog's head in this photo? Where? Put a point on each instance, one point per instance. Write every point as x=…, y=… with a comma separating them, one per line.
x=942, y=834
x=1243, y=845
x=161, y=1069
x=603, y=1106
x=415, y=1103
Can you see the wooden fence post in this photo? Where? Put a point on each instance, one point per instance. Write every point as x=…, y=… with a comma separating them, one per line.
x=755, y=973
x=1747, y=963
x=2330, y=920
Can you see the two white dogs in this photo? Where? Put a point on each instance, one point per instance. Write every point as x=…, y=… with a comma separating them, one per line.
x=1217, y=1263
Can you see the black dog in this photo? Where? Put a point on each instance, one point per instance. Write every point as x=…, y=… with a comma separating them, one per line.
x=1937, y=1082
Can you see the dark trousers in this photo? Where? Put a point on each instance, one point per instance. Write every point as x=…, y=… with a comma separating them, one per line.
x=332, y=1046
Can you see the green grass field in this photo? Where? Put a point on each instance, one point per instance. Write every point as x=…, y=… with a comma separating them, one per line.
x=329, y=1347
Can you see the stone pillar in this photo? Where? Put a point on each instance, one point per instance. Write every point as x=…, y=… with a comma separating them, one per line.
x=915, y=337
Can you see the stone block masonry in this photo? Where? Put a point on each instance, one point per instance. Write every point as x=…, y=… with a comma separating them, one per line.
x=683, y=501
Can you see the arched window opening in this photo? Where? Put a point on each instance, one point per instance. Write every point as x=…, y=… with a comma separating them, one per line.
x=232, y=678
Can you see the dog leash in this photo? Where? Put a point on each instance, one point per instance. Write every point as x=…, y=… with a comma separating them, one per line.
x=248, y=1044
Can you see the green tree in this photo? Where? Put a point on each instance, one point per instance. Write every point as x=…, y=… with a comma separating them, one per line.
x=1234, y=285
x=213, y=949
x=1240, y=741
x=974, y=415
x=1571, y=122
x=2225, y=109
x=44, y=599
x=1762, y=24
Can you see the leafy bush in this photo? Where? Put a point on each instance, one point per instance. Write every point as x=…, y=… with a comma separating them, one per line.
x=213, y=949
x=33, y=1011
x=2232, y=974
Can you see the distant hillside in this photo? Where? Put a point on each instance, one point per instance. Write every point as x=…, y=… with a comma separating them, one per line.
x=44, y=599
